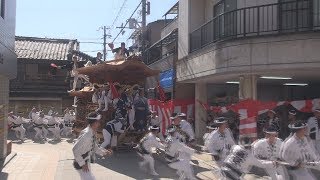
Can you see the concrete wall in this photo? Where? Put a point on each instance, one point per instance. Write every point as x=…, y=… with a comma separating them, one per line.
x=254, y=55
x=183, y=25
x=184, y=91
x=154, y=31
x=8, y=58
x=8, y=67
x=4, y=101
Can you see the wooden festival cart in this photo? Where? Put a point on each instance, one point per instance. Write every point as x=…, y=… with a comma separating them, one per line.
x=127, y=73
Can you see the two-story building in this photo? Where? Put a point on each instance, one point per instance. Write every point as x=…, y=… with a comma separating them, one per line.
x=251, y=49
x=163, y=54
x=8, y=64
x=37, y=83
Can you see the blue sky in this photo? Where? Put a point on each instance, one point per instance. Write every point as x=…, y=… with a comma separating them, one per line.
x=80, y=19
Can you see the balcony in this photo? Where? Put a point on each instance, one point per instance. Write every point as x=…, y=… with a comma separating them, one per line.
x=161, y=49
x=271, y=19
x=172, y=25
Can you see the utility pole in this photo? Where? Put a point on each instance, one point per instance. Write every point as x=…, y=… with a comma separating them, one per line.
x=144, y=22
x=104, y=43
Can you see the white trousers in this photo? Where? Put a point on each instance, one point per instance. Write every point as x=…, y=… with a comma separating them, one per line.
x=106, y=138
x=21, y=130
x=316, y=146
x=131, y=115
x=86, y=175
x=38, y=134
x=278, y=173
x=45, y=132
x=301, y=174
x=184, y=169
x=56, y=132
x=147, y=160
x=66, y=131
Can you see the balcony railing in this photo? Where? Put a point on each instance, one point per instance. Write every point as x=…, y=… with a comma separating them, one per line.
x=162, y=49
x=278, y=18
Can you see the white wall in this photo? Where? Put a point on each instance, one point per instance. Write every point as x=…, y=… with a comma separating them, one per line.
x=253, y=55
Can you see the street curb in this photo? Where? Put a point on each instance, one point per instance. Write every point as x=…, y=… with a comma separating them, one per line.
x=8, y=159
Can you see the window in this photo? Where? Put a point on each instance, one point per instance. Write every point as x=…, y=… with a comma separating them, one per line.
x=2, y=8
x=225, y=24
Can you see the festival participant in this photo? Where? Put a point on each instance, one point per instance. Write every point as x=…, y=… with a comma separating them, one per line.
x=221, y=141
x=268, y=148
x=130, y=108
x=53, y=126
x=38, y=126
x=314, y=129
x=121, y=52
x=156, y=121
x=178, y=154
x=241, y=159
x=68, y=120
x=98, y=59
x=272, y=120
x=291, y=120
x=16, y=124
x=141, y=109
x=51, y=111
x=86, y=146
x=117, y=125
x=299, y=153
x=184, y=126
x=146, y=146
x=207, y=136
x=123, y=105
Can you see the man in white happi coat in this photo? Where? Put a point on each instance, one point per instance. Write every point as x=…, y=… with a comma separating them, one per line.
x=156, y=121
x=16, y=124
x=314, y=129
x=68, y=120
x=111, y=129
x=184, y=126
x=240, y=161
x=299, y=153
x=268, y=148
x=38, y=126
x=207, y=136
x=178, y=154
x=99, y=97
x=147, y=146
x=86, y=147
x=221, y=141
x=53, y=126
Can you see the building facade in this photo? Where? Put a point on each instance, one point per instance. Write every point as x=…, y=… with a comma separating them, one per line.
x=257, y=49
x=163, y=54
x=8, y=65
x=37, y=83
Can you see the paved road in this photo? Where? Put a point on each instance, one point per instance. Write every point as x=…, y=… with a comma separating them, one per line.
x=53, y=161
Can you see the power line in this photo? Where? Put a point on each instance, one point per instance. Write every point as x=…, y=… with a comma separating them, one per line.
x=127, y=22
x=118, y=14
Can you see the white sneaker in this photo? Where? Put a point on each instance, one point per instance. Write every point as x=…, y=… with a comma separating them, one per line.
x=154, y=173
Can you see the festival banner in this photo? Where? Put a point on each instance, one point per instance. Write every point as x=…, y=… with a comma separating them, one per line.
x=248, y=110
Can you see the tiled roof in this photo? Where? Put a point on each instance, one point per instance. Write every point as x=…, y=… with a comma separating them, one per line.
x=44, y=48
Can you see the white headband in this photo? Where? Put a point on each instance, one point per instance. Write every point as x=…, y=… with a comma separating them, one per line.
x=96, y=118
